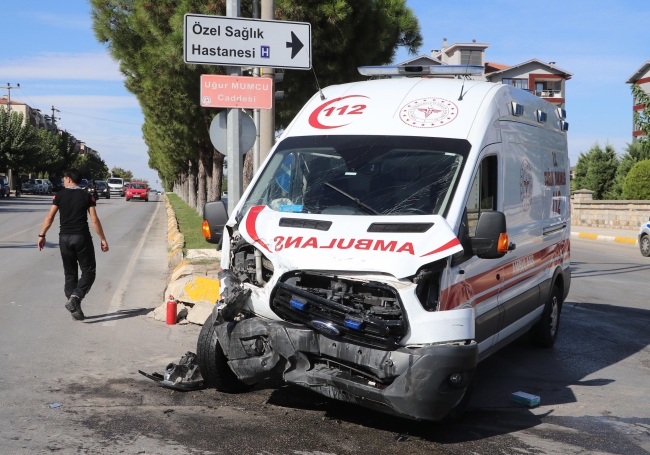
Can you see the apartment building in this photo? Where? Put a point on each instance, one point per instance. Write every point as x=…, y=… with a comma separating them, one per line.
x=545, y=80
x=34, y=116
x=640, y=77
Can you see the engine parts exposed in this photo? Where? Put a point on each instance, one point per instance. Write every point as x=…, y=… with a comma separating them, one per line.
x=233, y=294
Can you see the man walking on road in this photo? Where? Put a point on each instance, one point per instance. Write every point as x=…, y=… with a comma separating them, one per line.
x=75, y=242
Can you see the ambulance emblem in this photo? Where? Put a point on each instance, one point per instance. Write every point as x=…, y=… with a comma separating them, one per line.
x=428, y=112
x=525, y=185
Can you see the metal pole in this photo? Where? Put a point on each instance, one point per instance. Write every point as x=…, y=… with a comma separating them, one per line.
x=267, y=117
x=235, y=158
x=256, y=112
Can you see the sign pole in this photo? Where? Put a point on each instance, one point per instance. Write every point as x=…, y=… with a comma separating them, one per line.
x=267, y=117
x=256, y=112
x=235, y=159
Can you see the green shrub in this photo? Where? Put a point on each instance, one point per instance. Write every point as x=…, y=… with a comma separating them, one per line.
x=637, y=182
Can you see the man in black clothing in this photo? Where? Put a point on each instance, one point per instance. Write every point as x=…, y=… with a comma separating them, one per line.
x=75, y=242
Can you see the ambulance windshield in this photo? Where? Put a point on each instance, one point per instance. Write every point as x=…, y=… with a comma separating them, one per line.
x=361, y=175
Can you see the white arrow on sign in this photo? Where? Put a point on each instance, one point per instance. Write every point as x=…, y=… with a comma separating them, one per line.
x=237, y=41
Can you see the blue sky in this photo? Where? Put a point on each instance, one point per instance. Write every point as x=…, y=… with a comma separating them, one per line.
x=50, y=49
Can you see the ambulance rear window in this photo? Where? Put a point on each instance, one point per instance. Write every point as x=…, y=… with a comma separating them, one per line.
x=361, y=175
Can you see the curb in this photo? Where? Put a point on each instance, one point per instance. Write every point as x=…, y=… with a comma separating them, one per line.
x=175, y=240
x=605, y=238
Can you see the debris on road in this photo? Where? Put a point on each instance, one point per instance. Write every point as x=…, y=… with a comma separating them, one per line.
x=184, y=375
x=167, y=411
x=55, y=405
x=525, y=398
x=402, y=437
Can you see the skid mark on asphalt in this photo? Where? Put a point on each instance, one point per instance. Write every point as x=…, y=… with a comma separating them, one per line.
x=118, y=297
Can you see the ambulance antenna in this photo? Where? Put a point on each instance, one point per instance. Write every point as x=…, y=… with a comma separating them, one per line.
x=462, y=87
x=322, y=97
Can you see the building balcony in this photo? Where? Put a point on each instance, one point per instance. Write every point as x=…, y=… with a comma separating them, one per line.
x=548, y=93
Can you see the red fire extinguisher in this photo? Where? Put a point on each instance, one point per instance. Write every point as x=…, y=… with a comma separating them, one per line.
x=171, y=310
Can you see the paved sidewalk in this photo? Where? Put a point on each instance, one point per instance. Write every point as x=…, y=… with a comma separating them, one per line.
x=626, y=236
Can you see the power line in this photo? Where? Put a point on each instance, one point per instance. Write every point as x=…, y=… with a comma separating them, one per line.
x=99, y=118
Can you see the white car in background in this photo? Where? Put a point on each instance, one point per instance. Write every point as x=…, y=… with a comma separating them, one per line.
x=41, y=186
x=644, y=240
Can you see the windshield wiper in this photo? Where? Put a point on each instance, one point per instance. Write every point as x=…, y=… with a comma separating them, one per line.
x=349, y=196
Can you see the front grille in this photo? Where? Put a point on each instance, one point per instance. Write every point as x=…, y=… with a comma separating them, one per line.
x=381, y=330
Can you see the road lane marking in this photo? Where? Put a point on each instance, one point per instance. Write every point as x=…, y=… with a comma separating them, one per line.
x=118, y=297
x=20, y=232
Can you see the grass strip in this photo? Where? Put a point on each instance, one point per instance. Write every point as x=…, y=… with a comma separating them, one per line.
x=189, y=222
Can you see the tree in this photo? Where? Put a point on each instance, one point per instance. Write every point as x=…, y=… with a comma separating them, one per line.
x=596, y=171
x=92, y=167
x=122, y=173
x=147, y=39
x=635, y=152
x=19, y=142
x=637, y=182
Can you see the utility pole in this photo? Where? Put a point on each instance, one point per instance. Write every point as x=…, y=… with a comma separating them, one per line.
x=267, y=116
x=256, y=112
x=8, y=88
x=235, y=158
x=54, y=119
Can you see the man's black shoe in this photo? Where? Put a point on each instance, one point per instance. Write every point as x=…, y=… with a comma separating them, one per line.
x=73, y=305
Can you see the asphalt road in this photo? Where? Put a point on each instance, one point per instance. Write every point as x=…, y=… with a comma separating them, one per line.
x=593, y=384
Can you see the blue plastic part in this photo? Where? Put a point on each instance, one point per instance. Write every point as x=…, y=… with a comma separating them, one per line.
x=292, y=208
x=355, y=324
x=298, y=305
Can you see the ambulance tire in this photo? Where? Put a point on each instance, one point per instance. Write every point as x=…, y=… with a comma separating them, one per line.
x=456, y=413
x=213, y=363
x=544, y=333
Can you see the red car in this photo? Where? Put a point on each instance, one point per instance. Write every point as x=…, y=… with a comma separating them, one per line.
x=137, y=190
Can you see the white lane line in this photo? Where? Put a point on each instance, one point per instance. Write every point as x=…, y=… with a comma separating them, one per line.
x=118, y=297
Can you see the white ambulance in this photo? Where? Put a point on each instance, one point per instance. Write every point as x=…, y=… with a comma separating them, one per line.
x=401, y=230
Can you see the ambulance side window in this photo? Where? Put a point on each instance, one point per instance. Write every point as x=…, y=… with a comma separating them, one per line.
x=483, y=193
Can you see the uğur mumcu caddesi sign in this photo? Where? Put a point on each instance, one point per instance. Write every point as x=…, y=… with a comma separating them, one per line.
x=236, y=91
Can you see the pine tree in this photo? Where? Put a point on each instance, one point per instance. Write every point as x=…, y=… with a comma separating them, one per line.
x=635, y=152
x=596, y=171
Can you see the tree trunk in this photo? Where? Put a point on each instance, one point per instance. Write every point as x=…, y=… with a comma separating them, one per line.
x=209, y=186
x=191, y=176
x=248, y=169
x=217, y=174
x=201, y=190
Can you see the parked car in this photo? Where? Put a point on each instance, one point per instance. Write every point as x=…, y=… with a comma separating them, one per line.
x=644, y=240
x=57, y=183
x=42, y=185
x=102, y=189
x=47, y=186
x=137, y=190
x=32, y=187
x=5, y=190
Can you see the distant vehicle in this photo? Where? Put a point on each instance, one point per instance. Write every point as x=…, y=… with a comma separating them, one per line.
x=644, y=240
x=42, y=186
x=57, y=183
x=83, y=184
x=102, y=189
x=4, y=187
x=47, y=186
x=31, y=187
x=137, y=190
x=116, y=186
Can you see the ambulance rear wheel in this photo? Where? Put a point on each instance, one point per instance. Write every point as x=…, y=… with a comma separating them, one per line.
x=213, y=363
x=544, y=333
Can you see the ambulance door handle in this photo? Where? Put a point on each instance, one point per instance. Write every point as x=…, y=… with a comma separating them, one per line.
x=553, y=228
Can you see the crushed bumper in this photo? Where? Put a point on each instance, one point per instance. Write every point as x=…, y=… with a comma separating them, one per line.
x=410, y=382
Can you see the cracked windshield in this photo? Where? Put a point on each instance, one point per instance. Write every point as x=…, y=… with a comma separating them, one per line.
x=357, y=175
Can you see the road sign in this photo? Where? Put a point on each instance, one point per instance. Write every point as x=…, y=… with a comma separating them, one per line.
x=219, y=129
x=236, y=41
x=236, y=91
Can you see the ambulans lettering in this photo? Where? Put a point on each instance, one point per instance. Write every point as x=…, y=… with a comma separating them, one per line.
x=282, y=243
x=523, y=264
x=553, y=178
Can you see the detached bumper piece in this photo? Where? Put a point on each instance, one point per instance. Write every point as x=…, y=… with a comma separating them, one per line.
x=184, y=375
x=412, y=383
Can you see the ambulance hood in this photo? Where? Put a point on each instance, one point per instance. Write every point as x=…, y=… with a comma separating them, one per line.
x=396, y=245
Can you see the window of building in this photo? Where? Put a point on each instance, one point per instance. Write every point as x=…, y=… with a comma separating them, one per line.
x=519, y=83
x=471, y=57
x=483, y=193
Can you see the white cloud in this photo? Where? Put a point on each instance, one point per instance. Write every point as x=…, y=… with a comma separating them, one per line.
x=65, y=21
x=97, y=66
x=95, y=102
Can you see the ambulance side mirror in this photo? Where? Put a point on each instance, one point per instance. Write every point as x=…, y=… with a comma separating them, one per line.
x=491, y=239
x=215, y=217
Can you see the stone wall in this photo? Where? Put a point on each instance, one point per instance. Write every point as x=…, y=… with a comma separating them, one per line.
x=607, y=214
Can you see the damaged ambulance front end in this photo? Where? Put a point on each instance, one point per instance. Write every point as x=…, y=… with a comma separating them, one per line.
x=333, y=265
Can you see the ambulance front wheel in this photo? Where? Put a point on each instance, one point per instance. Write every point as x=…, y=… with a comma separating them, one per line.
x=544, y=333
x=213, y=363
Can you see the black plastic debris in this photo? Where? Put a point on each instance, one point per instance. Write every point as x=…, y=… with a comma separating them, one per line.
x=403, y=437
x=184, y=375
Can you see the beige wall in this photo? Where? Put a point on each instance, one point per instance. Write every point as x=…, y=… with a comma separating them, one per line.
x=629, y=215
